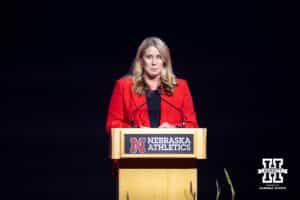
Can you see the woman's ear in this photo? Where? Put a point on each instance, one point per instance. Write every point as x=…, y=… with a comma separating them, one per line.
x=142, y=63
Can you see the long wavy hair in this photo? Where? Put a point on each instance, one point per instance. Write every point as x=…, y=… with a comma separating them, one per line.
x=167, y=77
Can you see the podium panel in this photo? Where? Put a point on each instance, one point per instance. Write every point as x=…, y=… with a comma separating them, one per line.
x=157, y=184
x=158, y=163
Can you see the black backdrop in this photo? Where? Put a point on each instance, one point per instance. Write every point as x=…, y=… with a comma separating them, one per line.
x=59, y=69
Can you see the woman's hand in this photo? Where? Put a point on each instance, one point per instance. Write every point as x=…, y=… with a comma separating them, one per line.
x=166, y=125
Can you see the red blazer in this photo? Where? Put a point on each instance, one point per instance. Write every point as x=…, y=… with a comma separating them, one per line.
x=126, y=105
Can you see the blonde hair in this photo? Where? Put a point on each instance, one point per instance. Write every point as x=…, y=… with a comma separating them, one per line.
x=167, y=77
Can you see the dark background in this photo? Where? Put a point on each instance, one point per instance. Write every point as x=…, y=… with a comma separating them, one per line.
x=59, y=65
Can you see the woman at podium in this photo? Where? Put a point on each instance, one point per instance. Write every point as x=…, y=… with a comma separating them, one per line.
x=151, y=95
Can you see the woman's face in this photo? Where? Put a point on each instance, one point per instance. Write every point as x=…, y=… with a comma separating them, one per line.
x=152, y=62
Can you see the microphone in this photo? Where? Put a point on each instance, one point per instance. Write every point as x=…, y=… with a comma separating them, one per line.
x=176, y=108
x=132, y=115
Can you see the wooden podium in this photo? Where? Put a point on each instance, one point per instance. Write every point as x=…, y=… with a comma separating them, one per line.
x=158, y=163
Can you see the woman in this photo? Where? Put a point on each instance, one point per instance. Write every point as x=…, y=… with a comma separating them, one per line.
x=151, y=96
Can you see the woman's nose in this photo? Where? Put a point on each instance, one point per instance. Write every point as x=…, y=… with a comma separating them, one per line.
x=154, y=61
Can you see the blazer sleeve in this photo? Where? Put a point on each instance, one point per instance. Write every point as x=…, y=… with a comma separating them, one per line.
x=116, y=115
x=188, y=108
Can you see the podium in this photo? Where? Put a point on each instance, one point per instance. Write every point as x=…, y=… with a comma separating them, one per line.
x=158, y=163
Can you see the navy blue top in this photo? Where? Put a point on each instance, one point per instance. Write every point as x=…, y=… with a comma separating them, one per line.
x=153, y=103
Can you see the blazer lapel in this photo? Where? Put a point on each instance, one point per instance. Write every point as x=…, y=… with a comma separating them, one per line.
x=166, y=108
x=141, y=109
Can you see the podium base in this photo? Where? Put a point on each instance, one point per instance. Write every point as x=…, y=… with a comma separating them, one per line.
x=158, y=184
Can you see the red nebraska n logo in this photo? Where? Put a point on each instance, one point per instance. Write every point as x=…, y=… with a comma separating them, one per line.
x=137, y=145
